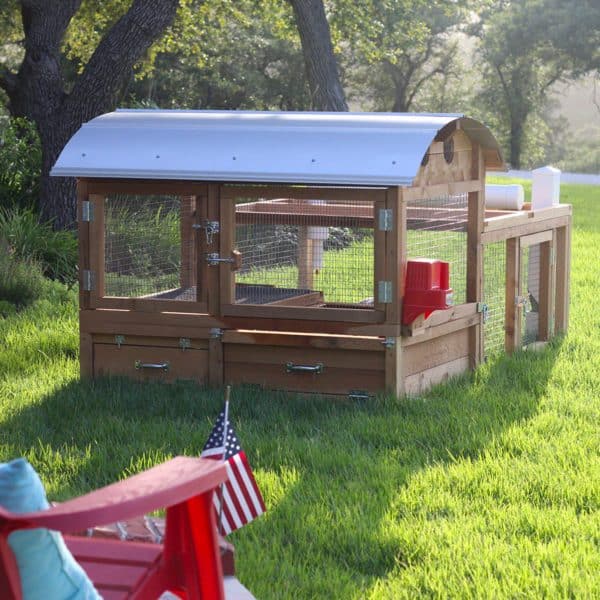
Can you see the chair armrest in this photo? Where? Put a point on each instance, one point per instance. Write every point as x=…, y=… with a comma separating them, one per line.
x=165, y=485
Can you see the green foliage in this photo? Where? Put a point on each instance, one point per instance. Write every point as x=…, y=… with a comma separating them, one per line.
x=32, y=241
x=398, y=47
x=582, y=154
x=20, y=162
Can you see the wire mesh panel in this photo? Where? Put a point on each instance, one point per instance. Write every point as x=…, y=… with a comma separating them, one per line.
x=437, y=229
x=144, y=254
x=530, y=294
x=494, y=297
x=305, y=252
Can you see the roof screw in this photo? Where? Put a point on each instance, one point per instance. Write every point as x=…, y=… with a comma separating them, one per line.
x=313, y=160
x=83, y=154
x=158, y=156
x=393, y=162
x=234, y=158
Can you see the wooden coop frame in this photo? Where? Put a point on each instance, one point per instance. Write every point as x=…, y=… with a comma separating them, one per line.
x=230, y=170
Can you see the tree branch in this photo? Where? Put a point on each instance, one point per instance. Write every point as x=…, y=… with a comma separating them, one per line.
x=97, y=89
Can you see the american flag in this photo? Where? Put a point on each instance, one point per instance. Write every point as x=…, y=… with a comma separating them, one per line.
x=240, y=496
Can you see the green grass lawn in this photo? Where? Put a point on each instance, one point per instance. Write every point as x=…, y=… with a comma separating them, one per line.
x=487, y=487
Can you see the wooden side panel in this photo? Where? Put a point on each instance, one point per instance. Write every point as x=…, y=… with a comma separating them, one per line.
x=437, y=351
x=420, y=382
x=154, y=364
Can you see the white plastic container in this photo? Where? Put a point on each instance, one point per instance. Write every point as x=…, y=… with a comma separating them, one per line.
x=504, y=197
x=545, y=187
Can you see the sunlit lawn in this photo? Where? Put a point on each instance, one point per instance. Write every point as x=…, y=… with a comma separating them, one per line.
x=487, y=487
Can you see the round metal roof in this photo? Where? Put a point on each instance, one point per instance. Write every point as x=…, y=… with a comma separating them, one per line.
x=291, y=147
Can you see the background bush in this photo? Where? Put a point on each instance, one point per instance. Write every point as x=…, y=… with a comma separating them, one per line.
x=20, y=162
x=30, y=241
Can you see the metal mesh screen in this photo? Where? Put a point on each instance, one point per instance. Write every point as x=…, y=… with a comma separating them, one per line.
x=144, y=256
x=494, y=296
x=437, y=229
x=305, y=253
x=530, y=294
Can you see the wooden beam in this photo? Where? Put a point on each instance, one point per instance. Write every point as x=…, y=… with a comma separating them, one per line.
x=525, y=228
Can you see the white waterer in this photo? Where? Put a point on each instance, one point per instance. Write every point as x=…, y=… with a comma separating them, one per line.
x=545, y=187
x=318, y=235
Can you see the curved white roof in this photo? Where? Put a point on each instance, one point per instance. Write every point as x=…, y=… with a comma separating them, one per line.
x=292, y=147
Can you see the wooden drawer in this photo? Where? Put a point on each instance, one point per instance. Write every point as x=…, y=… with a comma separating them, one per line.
x=304, y=363
x=151, y=363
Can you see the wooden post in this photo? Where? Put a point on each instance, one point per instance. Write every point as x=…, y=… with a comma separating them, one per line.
x=97, y=241
x=187, y=274
x=563, y=268
x=227, y=243
x=512, y=338
x=84, y=241
x=475, y=225
x=546, y=291
x=395, y=255
x=394, y=371
x=209, y=208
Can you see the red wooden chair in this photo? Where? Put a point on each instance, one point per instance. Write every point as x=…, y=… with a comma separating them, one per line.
x=187, y=564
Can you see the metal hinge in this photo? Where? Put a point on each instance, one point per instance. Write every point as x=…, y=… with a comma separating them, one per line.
x=87, y=280
x=215, y=333
x=524, y=302
x=87, y=211
x=384, y=291
x=210, y=227
x=358, y=395
x=185, y=343
x=119, y=340
x=389, y=342
x=385, y=219
x=483, y=308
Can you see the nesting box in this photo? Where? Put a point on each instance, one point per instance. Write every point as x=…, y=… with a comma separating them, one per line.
x=271, y=248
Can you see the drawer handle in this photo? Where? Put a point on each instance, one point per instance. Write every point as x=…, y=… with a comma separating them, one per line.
x=292, y=368
x=160, y=366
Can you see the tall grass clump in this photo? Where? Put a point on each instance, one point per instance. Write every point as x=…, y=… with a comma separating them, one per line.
x=21, y=281
x=32, y=241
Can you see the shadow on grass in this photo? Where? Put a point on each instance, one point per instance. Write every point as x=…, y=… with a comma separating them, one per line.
x=330, y=469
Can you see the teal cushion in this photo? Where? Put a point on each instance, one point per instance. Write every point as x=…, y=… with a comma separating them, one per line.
x=47, y=568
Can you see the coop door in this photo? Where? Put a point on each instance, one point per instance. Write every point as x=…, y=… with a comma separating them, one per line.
x=533, y=317
x=143, y=252
x=303, y=257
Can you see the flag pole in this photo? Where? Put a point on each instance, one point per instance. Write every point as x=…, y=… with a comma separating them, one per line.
x=225, y=428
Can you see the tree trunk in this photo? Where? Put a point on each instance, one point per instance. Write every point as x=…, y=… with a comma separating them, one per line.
x=321, y=67
x=37, y=90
